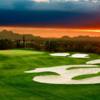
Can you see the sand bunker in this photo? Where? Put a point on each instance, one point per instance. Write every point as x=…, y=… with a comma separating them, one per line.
x=97, y=61
x=80, y=56
x=60, y=54
x=73, y=56
x=65, y=76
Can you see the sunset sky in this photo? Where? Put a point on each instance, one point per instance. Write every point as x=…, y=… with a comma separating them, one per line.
x=51, y=18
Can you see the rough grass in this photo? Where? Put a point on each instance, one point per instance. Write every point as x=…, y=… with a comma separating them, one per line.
x=17, y=85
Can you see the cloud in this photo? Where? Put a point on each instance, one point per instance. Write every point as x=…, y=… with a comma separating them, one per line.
x=15, y=4
x=62, y=5
x=4, y=4
x=68, y=6
x=23, y=5
x=68, y=14
x=49, y=19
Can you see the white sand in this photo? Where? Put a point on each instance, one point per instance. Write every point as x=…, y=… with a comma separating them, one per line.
x=97, y=61
x=80, y=56
x=60, y=54
x=65, y=76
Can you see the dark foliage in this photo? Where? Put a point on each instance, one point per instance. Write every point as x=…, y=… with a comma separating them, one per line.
x=10, y=40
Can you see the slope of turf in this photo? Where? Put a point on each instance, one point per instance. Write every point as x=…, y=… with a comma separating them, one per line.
x=17, y=85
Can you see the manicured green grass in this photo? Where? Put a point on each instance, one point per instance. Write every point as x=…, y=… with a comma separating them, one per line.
x=81, y=67
x=46, y=73
x=86, y=76
x=17, y=85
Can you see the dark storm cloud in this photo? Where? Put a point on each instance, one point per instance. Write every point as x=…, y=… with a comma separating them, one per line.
x=48, y=18
x=29, y=13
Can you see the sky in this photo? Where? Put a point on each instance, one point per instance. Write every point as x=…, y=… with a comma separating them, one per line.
x=54, y=32
x=69, y=14
x=64, y=5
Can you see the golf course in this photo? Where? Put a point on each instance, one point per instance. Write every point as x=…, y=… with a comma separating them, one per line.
x=16, y=84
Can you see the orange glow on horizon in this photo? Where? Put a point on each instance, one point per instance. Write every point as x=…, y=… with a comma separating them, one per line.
x=53, y=32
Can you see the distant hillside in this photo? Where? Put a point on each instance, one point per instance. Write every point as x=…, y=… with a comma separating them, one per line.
x=14, y=36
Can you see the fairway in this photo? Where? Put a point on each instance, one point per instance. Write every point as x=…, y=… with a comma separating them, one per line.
x=17, y=85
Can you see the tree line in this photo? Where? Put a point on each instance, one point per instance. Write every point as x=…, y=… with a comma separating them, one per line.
x=11, y=40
